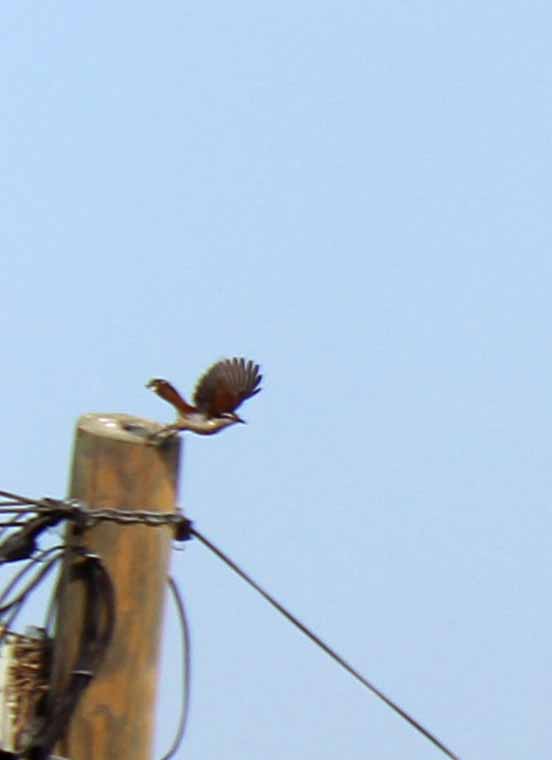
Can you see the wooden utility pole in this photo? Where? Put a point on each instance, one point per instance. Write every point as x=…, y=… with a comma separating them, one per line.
x=115, y=467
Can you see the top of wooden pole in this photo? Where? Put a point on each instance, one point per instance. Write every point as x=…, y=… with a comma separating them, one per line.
x=118, y=426
x=115, y=466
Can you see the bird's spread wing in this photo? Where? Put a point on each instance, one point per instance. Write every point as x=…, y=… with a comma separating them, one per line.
x=226, y=385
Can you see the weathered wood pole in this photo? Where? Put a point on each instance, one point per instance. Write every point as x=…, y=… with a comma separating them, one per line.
x=115, y=467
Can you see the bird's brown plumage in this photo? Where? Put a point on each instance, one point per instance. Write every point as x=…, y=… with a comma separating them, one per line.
x=168, y=392
x=226, y=385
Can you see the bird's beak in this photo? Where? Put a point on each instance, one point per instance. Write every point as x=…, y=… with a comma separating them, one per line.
x=239, y=419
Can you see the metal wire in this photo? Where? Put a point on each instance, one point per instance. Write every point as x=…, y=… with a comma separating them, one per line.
x=322, y=645
x=186, y=670
x=73, y=509
x=4, y=606
x=13, y=498
x=13, y=523
x=132, y=516
x=14, y=606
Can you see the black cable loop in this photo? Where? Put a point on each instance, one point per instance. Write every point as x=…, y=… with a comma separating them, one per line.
x=97, y=631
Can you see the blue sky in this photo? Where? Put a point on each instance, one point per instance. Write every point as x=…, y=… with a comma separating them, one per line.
x=356, y=195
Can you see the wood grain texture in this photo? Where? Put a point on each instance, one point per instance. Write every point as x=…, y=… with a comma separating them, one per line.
x=117, y=469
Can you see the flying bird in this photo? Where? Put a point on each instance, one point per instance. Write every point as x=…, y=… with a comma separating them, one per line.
x=219, y=392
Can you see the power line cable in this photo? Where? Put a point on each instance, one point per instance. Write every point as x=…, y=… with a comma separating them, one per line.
x=321, y=644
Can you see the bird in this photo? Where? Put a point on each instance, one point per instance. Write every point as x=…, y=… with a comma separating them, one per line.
x=218, y=393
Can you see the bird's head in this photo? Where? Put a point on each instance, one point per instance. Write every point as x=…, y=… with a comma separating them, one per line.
x=155, y=384
x=232, y=417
